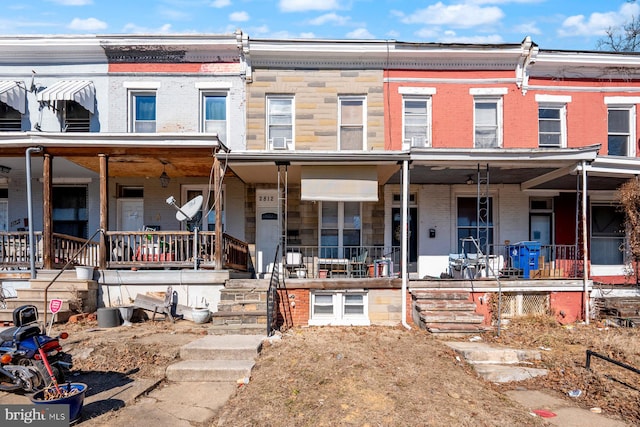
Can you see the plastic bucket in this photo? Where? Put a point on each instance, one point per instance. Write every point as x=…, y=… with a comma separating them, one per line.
x=74, y=401
x=84, y=272
x=108, y=317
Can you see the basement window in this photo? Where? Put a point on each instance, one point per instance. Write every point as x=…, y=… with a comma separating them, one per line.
x=339, y=308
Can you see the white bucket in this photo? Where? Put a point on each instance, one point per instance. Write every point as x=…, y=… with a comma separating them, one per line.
x=84, y=272
x=200, y=315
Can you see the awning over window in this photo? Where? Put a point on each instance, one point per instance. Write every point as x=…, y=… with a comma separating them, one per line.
x=81, y=91
x=344, y=183
x=13, y=94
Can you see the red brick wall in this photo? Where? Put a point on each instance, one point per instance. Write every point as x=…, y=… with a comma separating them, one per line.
x=297, y=309
x=566, y=306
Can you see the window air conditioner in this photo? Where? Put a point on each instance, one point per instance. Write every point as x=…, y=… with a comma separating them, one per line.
x=279, y=143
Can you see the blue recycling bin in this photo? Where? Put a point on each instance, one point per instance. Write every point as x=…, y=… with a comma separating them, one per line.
x=524, y=256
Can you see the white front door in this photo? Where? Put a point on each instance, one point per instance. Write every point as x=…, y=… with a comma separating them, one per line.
x=267, y=230
x=130, y=214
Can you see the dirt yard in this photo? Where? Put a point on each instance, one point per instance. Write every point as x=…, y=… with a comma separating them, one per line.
x=378, y=376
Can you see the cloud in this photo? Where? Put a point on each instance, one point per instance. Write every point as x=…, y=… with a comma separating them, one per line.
x=598, y=23
x=450, y=37
x=455, y=15
x=89, y=24
x=239, y=16
x=136, y=29
x=330, y=18
x=360, y=33
x=307, y=5
x=72, y=2
x=173, y=14
x=528, y=28
x=220, y=3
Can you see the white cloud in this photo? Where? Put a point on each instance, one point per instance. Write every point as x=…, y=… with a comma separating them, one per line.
x=136, y=29
x=173, y=14
x=528, y=28
x=455, y=15
x=330, y=18
x=239, y=16
x=220, y=3
x=360, y=33
x=89, y=24
x=307, y=35
x=72, y=2
x=453, y=38
x=306, y=5
x=598, y=23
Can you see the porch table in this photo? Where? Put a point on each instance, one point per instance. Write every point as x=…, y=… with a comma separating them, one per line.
x=335, y=266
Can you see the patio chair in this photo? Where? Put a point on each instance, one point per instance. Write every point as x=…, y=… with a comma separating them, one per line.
x=358, y=264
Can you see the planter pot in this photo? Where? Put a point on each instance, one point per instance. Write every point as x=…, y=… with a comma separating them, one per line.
x=200, y=315
x=84, y=272
x=75, y=401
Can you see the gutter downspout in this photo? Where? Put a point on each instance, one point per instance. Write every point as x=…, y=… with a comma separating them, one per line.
x=405, y=238
x=584, y=243
x=32, y=246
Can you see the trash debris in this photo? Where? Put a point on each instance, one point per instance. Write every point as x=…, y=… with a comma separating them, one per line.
x=544, y=413
x=475, y=338
x=458, y=358
x=575, y=393
x=596, y=410
x=544, y=348
x=242, y=381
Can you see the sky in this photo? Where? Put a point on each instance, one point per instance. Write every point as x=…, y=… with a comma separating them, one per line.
x=552, y=24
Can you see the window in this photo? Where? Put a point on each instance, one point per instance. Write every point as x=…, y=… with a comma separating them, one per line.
x=619, y=132
x=488, y=122
x=551, y=126
x=280, y=122
x=10, y=119
x=339, y=308
x=607, y=235
x=70, y=215
x=352, y=129
x=206, y=218
x=74, y=117
x=472, y=221
x=340, y=225
x=143, y=112
x=4, y=209
x=214, y=113
x=417, y=122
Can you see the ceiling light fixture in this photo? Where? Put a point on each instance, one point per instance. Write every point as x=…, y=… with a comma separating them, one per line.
x=469, y=180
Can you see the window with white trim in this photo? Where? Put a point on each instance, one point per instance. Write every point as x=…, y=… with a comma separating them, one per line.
x=472, y=220
x=619, y=135
x=143, y=111
x=10, y=119
x=214, y=114
x=416, y=117
x=607, y=234
x=487, y=122
x=352, y=130
x=340, y=229
x=552, y=125
x=280, y=122
x=339, y=308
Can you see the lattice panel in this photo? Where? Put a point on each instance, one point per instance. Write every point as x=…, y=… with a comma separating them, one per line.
x=514, y=305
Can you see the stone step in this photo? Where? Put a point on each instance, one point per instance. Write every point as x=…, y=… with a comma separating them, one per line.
x=450, y=317
x=209, y=370
x=454, y=328
x=505, y=374
x=70, y=283
x=236, y=318
x=242, y=306
x=238, y=329
x=480, y=353
x=53, y=293
x=247, y=284
x=445, y=305
x=439, y=295
x=235, y=295
x=218, y=347
x=13, y=303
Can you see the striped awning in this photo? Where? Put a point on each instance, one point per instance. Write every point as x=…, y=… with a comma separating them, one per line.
x=81, y=91
x=14, y=95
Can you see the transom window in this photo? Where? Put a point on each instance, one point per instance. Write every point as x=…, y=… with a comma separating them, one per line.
x=339, y=308
x=417, y=121
x=619, y=131
x=10, y=119
x=352, y=128
x=280, y=122
x=340, y=229
x=214, y=115
x=143, y=112
x=487, y=122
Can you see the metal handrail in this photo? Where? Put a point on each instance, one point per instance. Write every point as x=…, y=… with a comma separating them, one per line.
x=610, y=360
x=272, y=316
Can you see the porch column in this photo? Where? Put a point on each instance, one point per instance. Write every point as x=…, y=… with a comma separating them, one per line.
x=217, y=185
x=585, y=247
x=47, y=212
x=104, y=209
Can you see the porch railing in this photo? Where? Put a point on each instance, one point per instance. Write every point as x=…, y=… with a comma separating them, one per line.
x=345, y=261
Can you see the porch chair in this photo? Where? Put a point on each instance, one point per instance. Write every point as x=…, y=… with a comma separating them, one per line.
x=166, y=306
x=358, y=264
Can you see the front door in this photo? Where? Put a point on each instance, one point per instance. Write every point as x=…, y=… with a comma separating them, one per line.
x=396, y=214
x=540, y=231
x=70, y=214
x=267, y=230
x=130, y=214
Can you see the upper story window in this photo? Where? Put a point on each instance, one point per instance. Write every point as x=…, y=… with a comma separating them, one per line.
x=10, y=119
x=487, y=117
x=143, y=112
x=552, y=120
x=214, y=114
x=352, y=123
x=74, y=117
x=621, y=130
x=280, y=122
x=416, y=116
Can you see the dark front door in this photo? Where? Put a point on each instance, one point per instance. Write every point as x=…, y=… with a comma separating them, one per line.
x=396, y=213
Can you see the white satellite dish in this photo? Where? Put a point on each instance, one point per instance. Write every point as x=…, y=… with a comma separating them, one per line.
x=189, y=210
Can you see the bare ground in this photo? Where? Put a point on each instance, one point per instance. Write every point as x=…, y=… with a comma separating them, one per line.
x=370, y=376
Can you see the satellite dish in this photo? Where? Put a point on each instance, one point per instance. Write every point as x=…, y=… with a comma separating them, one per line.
x=190, y=209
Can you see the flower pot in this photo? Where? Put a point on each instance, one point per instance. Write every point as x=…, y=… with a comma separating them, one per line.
x=200, y=315
x=84, y=272
x=74, y=401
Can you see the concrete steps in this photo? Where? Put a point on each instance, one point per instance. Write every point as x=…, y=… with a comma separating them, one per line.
x=446, y=312
x=216, y=358
x=242, y=305
x=499, y=364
